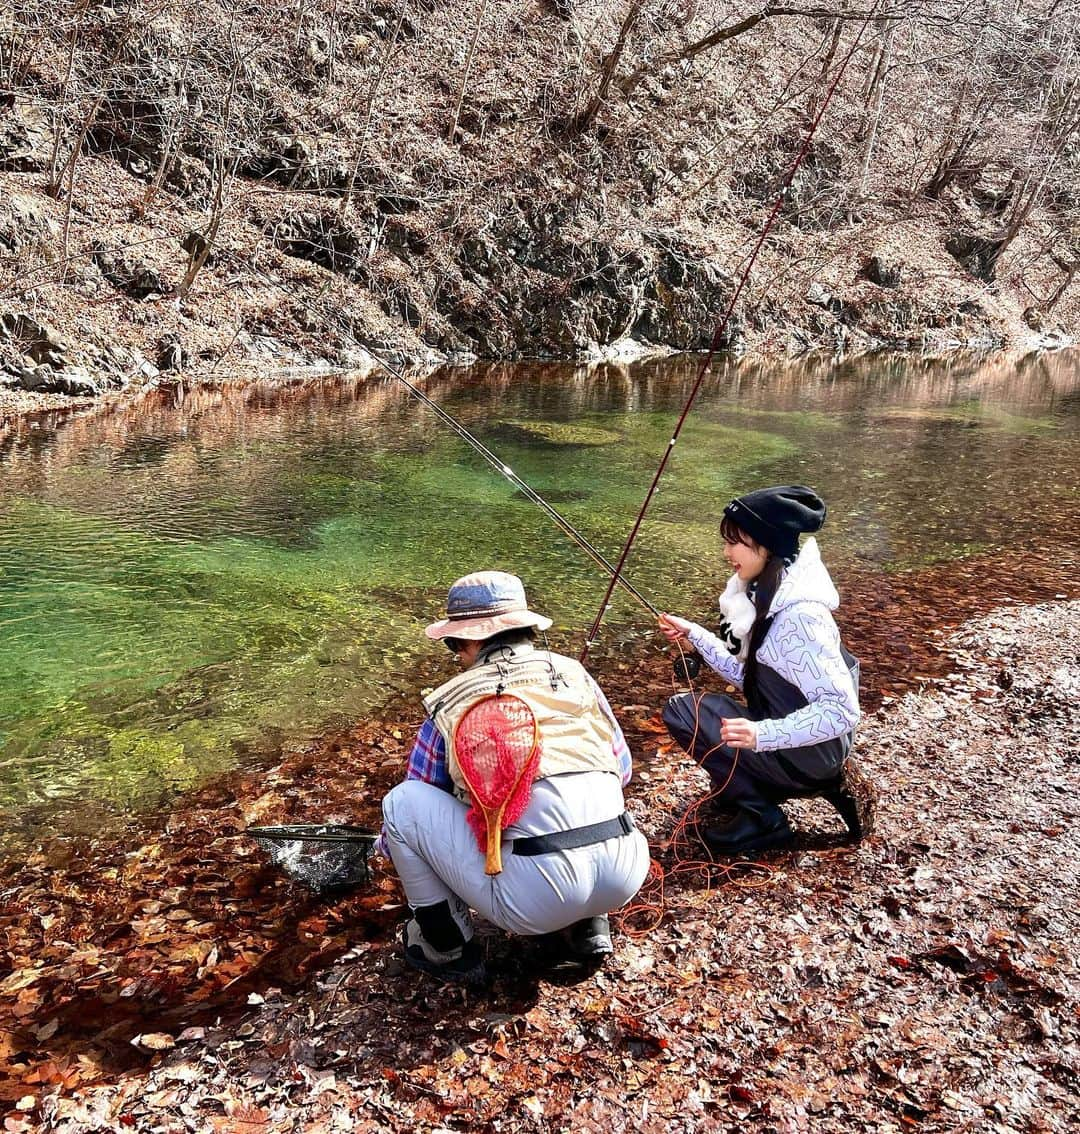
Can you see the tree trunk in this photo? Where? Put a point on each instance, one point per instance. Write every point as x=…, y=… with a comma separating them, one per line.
x=481, y=12
x=350, y=187
x=585, y=117
x=877, y=95
x=204, y=246
x=55, y=175
x=826, y=64
x=1070, y=268
x=1029, y=195
x=950, y=163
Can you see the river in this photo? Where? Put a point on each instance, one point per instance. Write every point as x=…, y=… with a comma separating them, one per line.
x=192, y=580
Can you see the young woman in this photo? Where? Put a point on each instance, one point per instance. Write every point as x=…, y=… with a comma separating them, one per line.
x=779, y=644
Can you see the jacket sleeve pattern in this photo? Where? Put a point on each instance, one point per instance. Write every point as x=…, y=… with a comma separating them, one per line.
x=803, y=647
x=716, y=654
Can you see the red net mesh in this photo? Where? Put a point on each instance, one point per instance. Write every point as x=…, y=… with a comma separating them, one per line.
x=498, y=750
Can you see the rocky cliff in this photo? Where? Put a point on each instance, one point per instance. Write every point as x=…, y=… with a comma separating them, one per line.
x=221, y=189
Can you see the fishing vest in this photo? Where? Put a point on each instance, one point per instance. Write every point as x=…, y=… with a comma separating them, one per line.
x=575, y=734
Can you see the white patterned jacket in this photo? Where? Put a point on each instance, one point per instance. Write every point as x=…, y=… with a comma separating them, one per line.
x=803, y=647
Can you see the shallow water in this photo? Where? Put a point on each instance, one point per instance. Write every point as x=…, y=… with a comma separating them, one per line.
x=188, y=582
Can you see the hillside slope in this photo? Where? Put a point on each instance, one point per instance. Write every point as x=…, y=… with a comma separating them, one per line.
x=231, y=188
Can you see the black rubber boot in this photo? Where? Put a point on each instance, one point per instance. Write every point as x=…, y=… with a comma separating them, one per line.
x=434, y=944
x=438, y=926
x=750, y=832
x=854, y=797
x=586, y=942
x=464, y=965
x=590, y=939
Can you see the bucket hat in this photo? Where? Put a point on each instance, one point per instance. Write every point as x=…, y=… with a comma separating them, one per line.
x=485, y=603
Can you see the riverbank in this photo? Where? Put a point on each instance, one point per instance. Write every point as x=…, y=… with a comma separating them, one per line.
x=924, y=978
x=183, y=196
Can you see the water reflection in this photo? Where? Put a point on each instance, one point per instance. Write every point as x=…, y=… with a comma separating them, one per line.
x=205, y=571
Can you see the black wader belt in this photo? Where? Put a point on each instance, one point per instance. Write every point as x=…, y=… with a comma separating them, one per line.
x=576, y=837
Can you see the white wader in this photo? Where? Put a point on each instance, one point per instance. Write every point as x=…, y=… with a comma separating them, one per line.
x=437, y=857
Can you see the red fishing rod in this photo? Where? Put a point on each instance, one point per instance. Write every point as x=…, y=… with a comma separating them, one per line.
x=717, y=338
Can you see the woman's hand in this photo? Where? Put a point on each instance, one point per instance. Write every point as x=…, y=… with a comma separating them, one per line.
x=675, y=629
x=738, y=732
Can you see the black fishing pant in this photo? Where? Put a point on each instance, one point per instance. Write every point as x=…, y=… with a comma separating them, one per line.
x=755, y=781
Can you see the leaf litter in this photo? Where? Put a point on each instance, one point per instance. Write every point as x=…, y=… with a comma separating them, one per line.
x=169, y=979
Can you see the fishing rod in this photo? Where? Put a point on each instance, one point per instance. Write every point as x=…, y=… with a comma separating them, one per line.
x=617, y=578
x=615, y=571
x=717, y=338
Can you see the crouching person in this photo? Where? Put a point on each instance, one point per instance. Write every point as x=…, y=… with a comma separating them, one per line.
x=513, y=803
x=780, y=645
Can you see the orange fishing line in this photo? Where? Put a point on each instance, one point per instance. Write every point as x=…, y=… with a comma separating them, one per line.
x=686, y=847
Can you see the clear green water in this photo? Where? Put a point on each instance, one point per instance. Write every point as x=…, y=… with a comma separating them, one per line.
x=184, y=585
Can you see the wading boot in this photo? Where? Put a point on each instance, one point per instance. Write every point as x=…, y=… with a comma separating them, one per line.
x=433, y=943
x=750, y=832
x=854, y=797
x=589, y=940
x=586, y=942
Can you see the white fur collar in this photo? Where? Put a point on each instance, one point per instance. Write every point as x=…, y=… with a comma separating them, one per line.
x=806, y=580
x=738, y=616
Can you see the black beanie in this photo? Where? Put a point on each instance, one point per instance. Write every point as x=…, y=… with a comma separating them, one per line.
x=775, y=517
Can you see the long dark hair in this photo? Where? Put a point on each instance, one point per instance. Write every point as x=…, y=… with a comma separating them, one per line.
x=764, y=591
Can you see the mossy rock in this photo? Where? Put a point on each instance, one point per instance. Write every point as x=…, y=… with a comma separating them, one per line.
x=943, y=415
x=555, y=434
x=970, y=416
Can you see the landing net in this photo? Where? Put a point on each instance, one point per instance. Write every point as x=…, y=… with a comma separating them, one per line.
x=497, y=746
x=323, y=856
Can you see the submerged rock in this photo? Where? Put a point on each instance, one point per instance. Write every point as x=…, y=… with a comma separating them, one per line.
x=556, y=434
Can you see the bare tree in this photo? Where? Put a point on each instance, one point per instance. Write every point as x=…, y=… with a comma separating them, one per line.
x=585, y=117
x=876, y=97
x=74, y=32
x=224, y=168
x=1031, y=188
x=381, y=73
x=481, y=11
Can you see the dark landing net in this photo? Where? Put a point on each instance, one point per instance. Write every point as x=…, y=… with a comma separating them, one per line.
x=322, y=856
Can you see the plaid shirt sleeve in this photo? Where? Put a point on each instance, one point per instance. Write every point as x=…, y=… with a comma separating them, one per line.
x=427, y=760
x=618, y=745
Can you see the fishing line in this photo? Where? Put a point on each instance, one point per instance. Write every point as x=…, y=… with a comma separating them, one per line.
x=502, y=467
x=685, y=841
x=685, y=844
x=721, y=327
x=615, y=571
